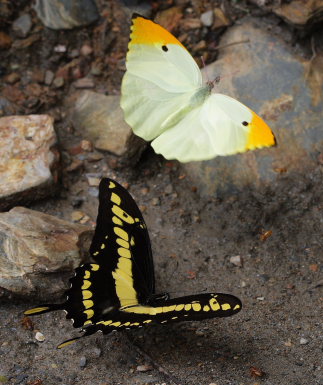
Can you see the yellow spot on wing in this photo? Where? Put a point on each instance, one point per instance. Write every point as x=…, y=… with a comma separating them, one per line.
x=88, y=303
x=117, y=221
x=86, y=285
x=115, y=324
x=60, y=346
x=147, y=321
x=188, y=306
x=125, y=253
x=147, y=32
x=102, y=246
x=196, y=306
x=112, y=185
x=206, y=308
x=226, y=306
x=179, y=307
x=104, y=322
x=95, y=267
x=86, y=294
x=87, y=274
x=123, y=243
x=214, y=304
x=96, y=253
x=89, y=313
x=121, y=233
x=88, y=322
x=132, y=241
x=236, y=307
x=122, y=215
x=115, y=199
x=260, y=134
x=35, y=310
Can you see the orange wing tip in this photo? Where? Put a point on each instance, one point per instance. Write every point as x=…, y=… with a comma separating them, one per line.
x=145, y=31
x=260, y=134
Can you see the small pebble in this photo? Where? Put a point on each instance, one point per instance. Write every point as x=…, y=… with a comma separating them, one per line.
x=22, y=26
x=60, y=48
x=168, y=189
x=303, y=341
x=260, y=298
x=76, y=216
x=207, y=18
x=236, y=260
x=86, y=50
x=97, y=352
x=84, y=83
x=58, y=82
x=40, y=337
x=82, y=362
x=12, y=78
x=86, y=145
x=155, y=201
x=49, y=77
x=93, y=181
x=144, y=368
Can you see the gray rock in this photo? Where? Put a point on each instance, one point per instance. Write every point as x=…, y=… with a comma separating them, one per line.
x=66, y=14
x=22, y=26
x=28, y=161
x=207, y=18
x=266, y=76
x=38, y=252
x=49, y=77
x=99, y=118
x=300, y=14
x=143, y=8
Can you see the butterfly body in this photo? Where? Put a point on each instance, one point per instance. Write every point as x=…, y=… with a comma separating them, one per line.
x=165, y=101
x=117, y=290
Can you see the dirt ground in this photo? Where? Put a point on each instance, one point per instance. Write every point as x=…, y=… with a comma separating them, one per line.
x=277, y=337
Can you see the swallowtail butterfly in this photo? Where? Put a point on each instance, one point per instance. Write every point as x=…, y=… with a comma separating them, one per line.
x=117, y=290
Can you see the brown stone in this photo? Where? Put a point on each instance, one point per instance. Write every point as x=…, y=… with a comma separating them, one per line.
x=28, y=162
x=38, y=251
x=5, y=41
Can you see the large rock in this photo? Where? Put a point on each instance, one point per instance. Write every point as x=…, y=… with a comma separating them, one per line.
x=298, y=13
x=268, y=78
x=99, y=118
x=66, y=14
x=36, y=250
x=28, y=159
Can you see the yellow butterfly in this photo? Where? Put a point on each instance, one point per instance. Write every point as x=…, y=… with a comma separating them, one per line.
x=164, y=100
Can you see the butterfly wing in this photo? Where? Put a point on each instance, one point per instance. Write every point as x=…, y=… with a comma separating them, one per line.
x=122, y=273
x=160, y=80
x=220, y=126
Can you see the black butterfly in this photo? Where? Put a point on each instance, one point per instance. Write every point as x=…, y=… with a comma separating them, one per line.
x=117, y=290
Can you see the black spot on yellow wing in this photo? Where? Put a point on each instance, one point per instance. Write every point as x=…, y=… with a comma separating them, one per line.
x=116, y=291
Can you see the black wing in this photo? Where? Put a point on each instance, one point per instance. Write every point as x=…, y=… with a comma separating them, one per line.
x=122, y=273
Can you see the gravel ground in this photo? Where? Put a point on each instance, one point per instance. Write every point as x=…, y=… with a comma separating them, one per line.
x=277, y=232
